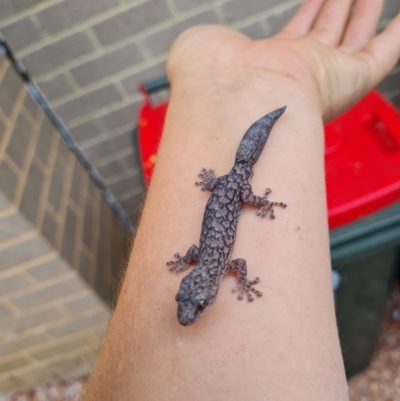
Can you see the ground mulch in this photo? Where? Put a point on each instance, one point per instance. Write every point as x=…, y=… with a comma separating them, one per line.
x=65, y=391
x=381, y=381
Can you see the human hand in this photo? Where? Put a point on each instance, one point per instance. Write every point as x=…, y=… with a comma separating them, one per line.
x=329, y=51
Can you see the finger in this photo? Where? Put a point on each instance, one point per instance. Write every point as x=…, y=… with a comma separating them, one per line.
x=383, y=51
x=362, y=26
x=303, y=20
x=331, y=21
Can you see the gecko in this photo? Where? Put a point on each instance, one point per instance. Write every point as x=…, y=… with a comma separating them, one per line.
x=198, y=290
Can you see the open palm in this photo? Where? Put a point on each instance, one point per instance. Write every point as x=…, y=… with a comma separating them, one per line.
x=330, y=49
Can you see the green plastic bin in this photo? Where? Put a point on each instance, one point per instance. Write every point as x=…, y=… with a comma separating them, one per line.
x=365, y=254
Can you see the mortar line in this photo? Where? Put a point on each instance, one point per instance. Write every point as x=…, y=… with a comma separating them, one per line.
x=80, y=223
x=3, y=118
x=9, y=127
x=107, y=48
x=11, y=164
x=30, y=152
x=132, y=192
x=74, y=207
x=82, y=26
x=131, y=172
x=8, y=211
x=95, y=239
x=86, y=250
x=50, y=210
x=43, y=364
x=14, y=310
x=31, y=280
x=35, y=21
x=58, y=340
x=93, y=39
x=18, y=239
x=40, y=308
x=110, y=158
x=41, y=166
x=120, y=89
x=71, y=160
x=40, y=285
x=105, y=136
x=71, y=80
x=274, y=10
x=101, y=112
x=30, y=263
x=28, y=116
x=65, y=318
x=3, y=68
x=101, y=83
x=28, y=12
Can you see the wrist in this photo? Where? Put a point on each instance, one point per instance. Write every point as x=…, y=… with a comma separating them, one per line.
x=250, y=85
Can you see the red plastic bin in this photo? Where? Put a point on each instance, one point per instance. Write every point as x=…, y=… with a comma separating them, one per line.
x=362, y=156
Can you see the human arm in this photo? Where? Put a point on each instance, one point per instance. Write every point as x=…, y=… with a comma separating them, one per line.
x=283, y=346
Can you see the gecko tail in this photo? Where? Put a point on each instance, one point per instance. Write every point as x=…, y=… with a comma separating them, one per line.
x=256, y=136
x=274, y=115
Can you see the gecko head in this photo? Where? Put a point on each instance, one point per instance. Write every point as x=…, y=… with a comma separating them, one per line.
x=195, y=296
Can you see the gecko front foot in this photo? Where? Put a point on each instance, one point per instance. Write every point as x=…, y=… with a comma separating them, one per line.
x=269, y=207
x=246, y=287
x=209, y=180
x=179, y=265
x=182, y=263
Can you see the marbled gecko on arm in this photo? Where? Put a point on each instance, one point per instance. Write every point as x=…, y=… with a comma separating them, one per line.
x=198, y=290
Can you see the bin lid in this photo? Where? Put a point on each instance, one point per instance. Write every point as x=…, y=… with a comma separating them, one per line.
x=362, y=156
x=362, y=160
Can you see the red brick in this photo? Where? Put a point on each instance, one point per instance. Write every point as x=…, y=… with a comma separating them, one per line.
x=55, y=87
x=68, y=13
x=132, y=21
x=21, y=33
x=107, y=64
x=51, y=56
x=160, y=42
x=88, y=103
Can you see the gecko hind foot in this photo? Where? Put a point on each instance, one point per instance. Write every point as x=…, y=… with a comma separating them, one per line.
x=246, y=287
x=208, y=178
x=179, y=265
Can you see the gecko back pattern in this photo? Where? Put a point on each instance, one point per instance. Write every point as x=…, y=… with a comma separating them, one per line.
x=198, y=290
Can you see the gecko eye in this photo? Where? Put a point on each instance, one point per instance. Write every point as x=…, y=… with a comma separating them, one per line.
x=202, y=305
x=177, y=298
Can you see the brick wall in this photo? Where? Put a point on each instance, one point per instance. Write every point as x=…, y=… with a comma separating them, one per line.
x=55, y=227
x=61, y=245
x=89, y=56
